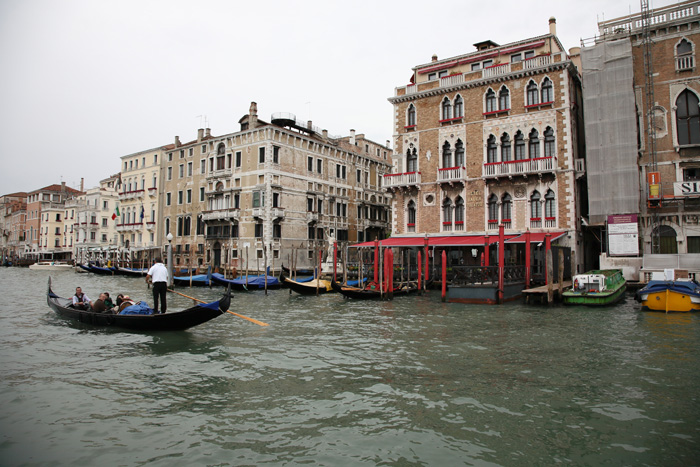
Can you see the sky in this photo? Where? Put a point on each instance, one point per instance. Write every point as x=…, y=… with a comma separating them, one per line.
x=85, y=82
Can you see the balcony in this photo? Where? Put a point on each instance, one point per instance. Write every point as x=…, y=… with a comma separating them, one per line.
x=496, y=70
x=129, y=227
x=150, y=225
x=520, y=167
x=134, y=194
x=312, y=217
x=153, y=191
x=258, y=212
x=452, y=175
x=277, y=213
x=218, y=174
x=405, y=180
x=537, y=62
x=221, y=214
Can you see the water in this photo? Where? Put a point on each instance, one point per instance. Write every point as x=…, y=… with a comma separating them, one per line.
x=338, y=382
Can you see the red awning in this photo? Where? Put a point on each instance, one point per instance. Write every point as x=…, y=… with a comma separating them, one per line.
x=394, y=242
x=536, y=237
x=438, y=241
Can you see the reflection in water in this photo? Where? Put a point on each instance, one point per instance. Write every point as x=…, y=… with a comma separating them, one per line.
x=336, y=381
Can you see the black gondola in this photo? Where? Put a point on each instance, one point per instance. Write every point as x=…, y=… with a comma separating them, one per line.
x=175, y=321
x=130, y=272
x=300, y=272
x=372, y=291
x=308, y=287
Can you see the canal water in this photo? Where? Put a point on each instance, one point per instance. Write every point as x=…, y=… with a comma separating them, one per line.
x=336, y=382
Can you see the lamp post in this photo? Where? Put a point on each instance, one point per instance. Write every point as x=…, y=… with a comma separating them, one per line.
x=170, y=259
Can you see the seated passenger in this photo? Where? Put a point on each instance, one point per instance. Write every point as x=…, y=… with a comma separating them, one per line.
x=127, y=301
x=108, y=301
x=98, y=306
x=80, y=300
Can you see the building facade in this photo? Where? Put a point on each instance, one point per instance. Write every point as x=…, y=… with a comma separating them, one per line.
x=489, y=137
x=13, y=215
x=91, y=227
x=45, y=234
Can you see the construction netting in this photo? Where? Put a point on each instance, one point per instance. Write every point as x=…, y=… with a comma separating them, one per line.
x=611, y=129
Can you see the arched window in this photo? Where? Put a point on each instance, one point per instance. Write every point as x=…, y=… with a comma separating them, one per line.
x=220, y=149
x=506, y=205
x=491, y=150
x=446, y=155
x=411, y=212
x=411, y=116
x=519, y=146
x=459, y=209
x=446, y=109
x=459, y=107
x=685, y=59
x=535, y=207
x=490, y=101
x=688, y=118
x=548, y=142
x=667, y=239
x=533, y=147
x=459, y=153
x=505, y=148
x=411, y=160
x=532, y=93
x=550, y=209
x=447, y=211
x=504, y=99
x=493, y=208
x=547, y=91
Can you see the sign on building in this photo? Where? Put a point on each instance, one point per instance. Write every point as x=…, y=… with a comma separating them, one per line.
x=623, y=235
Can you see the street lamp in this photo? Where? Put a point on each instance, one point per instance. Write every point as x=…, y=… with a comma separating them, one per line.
x=170, y=259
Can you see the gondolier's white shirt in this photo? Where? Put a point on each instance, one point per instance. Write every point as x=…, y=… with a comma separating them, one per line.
x=158, y=273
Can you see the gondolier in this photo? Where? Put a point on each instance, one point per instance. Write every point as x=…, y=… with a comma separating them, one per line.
x=158, y=276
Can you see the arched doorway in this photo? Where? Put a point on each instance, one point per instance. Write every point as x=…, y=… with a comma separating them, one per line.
x=217, y=255
x=667, y=240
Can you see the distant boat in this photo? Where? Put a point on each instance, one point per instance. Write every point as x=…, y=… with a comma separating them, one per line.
x=98, y=269
x=307, y=287
x=596, y=288
x=132, y=272
x=372, y=291
x=199, y=280
x=249, y=283
x=51, y=266
x=680, y=295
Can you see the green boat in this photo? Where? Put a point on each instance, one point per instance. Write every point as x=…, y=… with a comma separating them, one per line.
x=596, y=288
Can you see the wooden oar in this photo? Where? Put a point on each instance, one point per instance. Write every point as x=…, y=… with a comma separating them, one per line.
x=252, y=320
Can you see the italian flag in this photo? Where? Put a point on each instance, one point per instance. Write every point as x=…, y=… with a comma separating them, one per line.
x=116, y=213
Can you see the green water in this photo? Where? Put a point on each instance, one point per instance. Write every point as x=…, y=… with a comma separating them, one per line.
x=337, y=382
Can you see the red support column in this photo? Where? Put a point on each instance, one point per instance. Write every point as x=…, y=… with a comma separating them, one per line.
x=335, y=258
x=427, y=264
x=419, y=269
x=376, y=261
x=501, y=261
x=486, y=251
x=444, y=275
x=528, y=259
x=547, y=249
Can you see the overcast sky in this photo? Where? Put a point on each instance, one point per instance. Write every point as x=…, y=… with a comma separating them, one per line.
x=86, y=81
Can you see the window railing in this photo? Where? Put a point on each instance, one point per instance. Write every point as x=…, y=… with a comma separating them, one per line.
x=550, y=222
x=537, y=62
x=401, y=179
x=451, y=80
x=452, y=174
x=685, y=63
x=524, y=166
x=535, y=222
x=495, y=70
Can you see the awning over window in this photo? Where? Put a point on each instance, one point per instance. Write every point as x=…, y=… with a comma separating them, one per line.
x=536, y=237
x=443, y=240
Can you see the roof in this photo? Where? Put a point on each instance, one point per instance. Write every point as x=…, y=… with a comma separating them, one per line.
x=58, y=188
x=458, y=240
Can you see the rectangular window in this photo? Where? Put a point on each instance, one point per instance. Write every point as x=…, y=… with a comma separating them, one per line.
x=258, y=230
x=191, y=152
x=261, y=155
x=168, y=199
x=432, y=76
x=170, y=157
x=476, y=66
x=276, y=230
x=201, y=194
x=515, y=58
x=179, y=197
x=170, y=173
x=204, y=148
x=238, y=158
x=189, y=196
x=529, y=54
x=189, y=169
x=220, y=163
x=319, y=165
x=276, y=154
x=155, y=159
x=182, y=153
x=182, y=171
x=359, y=177
x=203, y=166
x=256, y=199
x=310, y=164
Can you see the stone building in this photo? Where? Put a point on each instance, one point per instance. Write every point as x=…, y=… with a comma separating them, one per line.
x=91, y=231
x=490, y=137
x=13, y=215
x=270, y=190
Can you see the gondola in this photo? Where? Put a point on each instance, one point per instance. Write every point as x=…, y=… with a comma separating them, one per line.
x=199, y=280
x=301, y=272
x=99, y=270
x=171, y=321
x=251, y=283
x=372, y=291
x=132, y=272
x=310, y=287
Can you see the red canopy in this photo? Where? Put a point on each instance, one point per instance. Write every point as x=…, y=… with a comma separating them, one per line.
x=443, y=240
x=535, y=237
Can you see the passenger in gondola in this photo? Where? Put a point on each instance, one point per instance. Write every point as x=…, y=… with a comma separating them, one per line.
x=80, y=300
x=99, y=306
x=108, y=302
x=126, y=301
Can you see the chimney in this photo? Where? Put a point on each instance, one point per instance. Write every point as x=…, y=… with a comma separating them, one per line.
x=177, y=141
x=63, y=186
x=207, y=132
x=200, y=134
x=82, y=184
x=309, y=125
x=325, y=134
x=434, y=58
x=253, y=115
x=388, y=144
x=352, y=137
x=553, y=26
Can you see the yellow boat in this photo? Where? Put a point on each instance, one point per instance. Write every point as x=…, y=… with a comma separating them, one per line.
x=680, y=295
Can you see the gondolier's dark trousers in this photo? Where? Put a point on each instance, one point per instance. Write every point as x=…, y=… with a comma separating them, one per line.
x=159, y=290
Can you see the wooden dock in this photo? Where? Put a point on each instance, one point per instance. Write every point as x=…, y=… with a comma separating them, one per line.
x=543, y=295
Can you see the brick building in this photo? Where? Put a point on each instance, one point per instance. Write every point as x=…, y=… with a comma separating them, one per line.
x=489, y=137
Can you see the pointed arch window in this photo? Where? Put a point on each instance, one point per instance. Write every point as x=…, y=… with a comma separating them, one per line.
x=519, y=146
x=532, y=93
x=446, y=155
x=446, y=109
x=447, y=211
x=459, y=153
x=411, y=116
x=411, y=160
x=688, y=118
x=550, y=210
x=459, y=210
x=504, y=99
x=547, y=91
x=411, y=224
x=491, y=150
x=505, y=148
x=685, y=59
x=535, y=207
x=490, y=101
x=493, y=209
x=459, y=107
x=506, y=207
x=533, y=147
x=549, y=142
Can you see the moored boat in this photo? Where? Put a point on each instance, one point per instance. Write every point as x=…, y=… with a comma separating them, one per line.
x=132, y=272
x=596, y=288
x=679, y=295
x=372, y=291
x=51, y=266
x=307, y=287
x=171, y=321
x=247, y=282
x=198, y=280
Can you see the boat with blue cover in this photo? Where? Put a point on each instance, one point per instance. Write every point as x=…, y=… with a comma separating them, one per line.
x=678, y=295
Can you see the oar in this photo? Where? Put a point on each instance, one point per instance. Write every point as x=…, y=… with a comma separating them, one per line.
x=259, y=323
